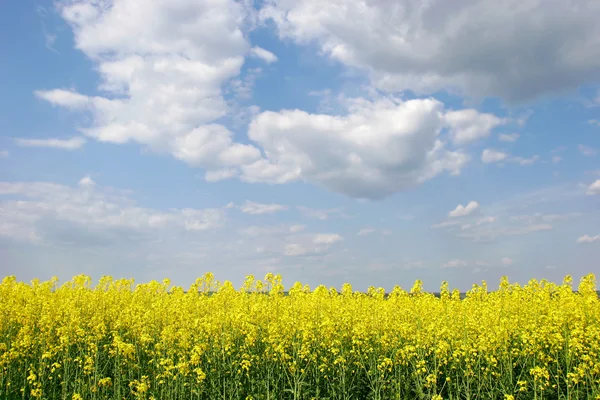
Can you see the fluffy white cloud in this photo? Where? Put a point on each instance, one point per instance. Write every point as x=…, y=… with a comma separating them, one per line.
x=469, y=125
x=594, y=188
x=587, y=151
x=588, y=239
x=327, y=238
x=594, y=122
x=463, y=211
x=162, y=65
x=3, y=153
x=87, y=181
x=481, y=47
x=379, y=148
x=556, y=159
x=73, y=143
x=252, y=208
x=509, y=137
x=48, y=212
x=493, y=156
x=263, y=54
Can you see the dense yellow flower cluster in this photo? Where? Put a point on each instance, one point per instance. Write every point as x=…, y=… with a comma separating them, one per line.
x=118, y=340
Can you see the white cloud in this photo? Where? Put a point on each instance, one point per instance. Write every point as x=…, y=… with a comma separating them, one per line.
x=163, y=65
x=528, y=229
x=49, y=212
x=381, y=147
x=469, y=125
x=473, y=46
x=594, y=122
x=297, y=228
x=486, y=220
x=594, y=188
x=445, y=224
x=256, y=231
x=87, y=181
x=242, y=89
x=65, y=98
x=321, y=214
x=509, y=137
x=263, y=54
x=556, y=159
x=463, y=211
x=506, y=261
x=217, y=175
x=295, y=249
x=3, y=153
x=587, y=151
x=326, y=238
x=588, y=239
x=252, y=208
x=73, y=143
x=492, y=156
x=525, y=161
x=455, y=264
x=308, y=245
x=365, y=232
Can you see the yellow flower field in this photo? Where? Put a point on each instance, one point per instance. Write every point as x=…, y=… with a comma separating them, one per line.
x=117, y=340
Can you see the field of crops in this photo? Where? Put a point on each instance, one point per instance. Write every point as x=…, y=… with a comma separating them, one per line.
x=117, y=340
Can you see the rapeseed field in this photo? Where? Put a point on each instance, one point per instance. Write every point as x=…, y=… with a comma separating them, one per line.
x=118, y=340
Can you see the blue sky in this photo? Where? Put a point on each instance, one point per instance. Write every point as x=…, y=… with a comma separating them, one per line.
x=369, y=142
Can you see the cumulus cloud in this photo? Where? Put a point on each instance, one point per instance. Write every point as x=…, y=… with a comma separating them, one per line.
x=327, y=238
x=42, y=210
x=588, y=239
x=263, y=54
x=594, y=188
x=162, y=68
x=479, y=47
x=252, y=208
x=65, y=144
x=379, y=148
x=509, y=137
x=463, y=211
x=469, y=125
x=87, y=181
x=493, y=156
